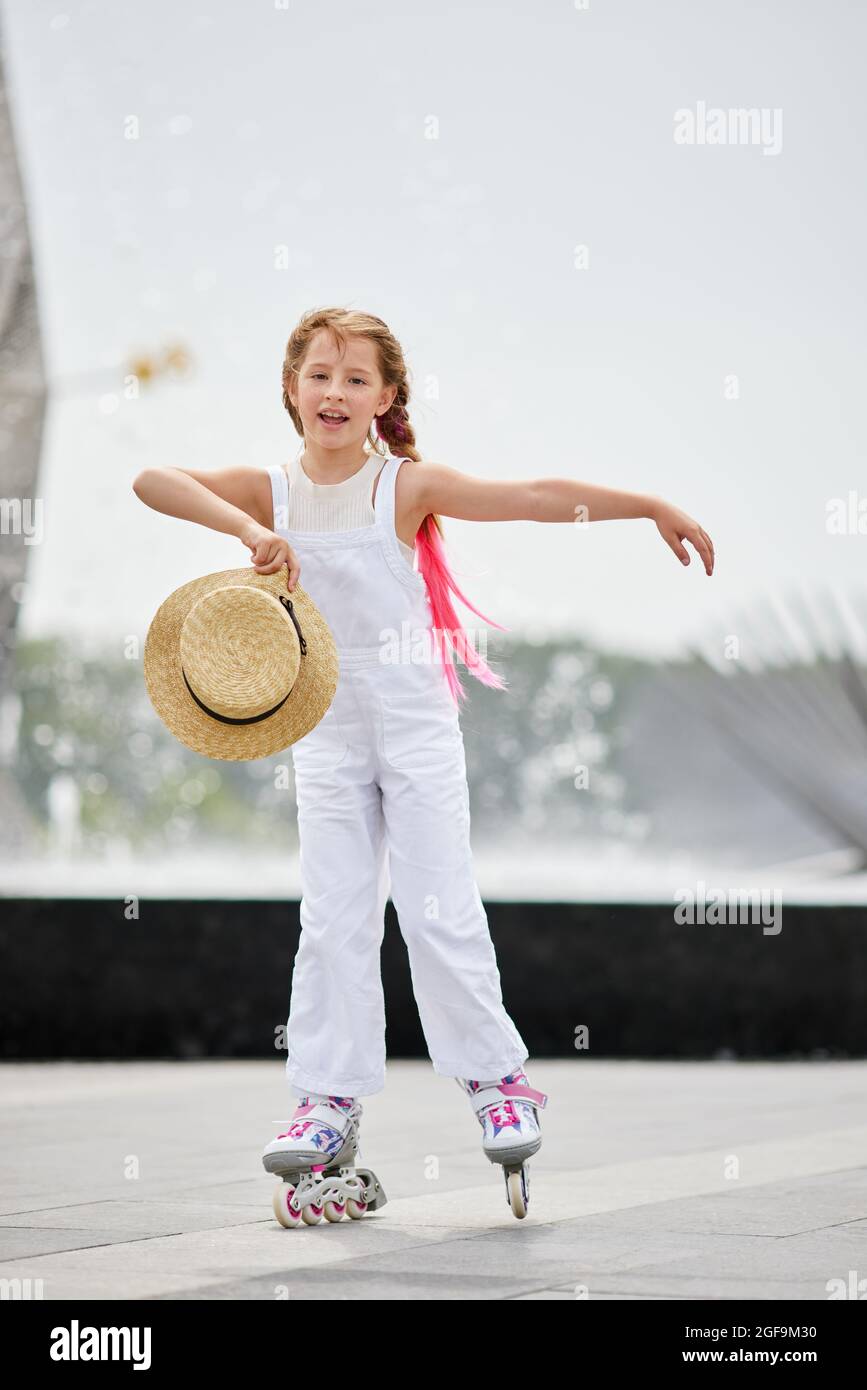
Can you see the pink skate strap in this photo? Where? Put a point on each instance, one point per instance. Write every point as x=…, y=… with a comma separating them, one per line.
x=313, y=1113
x=510, y=1090
x=513, y=1088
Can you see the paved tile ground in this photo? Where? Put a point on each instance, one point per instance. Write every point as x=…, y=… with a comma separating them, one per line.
x=655, y=1180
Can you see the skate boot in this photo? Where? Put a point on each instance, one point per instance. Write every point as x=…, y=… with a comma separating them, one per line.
x=315, y=1158
x=508, y=1111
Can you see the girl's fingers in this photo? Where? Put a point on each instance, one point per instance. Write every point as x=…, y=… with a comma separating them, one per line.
x=695, y=534
x=274, y=559
x=704, y=549
x=679, y=550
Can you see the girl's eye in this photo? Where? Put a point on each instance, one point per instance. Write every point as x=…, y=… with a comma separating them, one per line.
x=359, y=379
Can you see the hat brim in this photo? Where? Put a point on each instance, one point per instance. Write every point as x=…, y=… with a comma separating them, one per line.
x=308, y=700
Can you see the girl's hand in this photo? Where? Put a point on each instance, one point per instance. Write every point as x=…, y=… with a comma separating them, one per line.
x=675, y=526
x=269, y=552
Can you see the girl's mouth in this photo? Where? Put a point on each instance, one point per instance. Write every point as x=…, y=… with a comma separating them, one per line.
x=331, y=423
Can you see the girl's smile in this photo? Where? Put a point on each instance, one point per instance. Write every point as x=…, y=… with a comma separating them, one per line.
x=332, y=420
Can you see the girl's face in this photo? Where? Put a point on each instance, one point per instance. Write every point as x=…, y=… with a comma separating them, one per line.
x=342, y=383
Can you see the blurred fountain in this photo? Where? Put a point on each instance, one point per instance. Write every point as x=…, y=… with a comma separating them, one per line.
x=64, y=814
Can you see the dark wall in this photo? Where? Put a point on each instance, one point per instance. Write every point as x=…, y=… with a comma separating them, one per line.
x=212, y=979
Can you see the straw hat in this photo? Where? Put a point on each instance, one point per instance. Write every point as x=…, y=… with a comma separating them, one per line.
x=236, y=667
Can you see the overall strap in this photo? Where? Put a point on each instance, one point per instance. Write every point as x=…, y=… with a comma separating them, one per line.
x=383, y=505
x=279, y=496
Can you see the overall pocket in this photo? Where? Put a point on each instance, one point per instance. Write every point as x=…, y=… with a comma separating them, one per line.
x=418, y=731
x=323, y=749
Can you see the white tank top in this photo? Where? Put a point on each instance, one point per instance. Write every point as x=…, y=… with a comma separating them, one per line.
x=367, y=592
x=336, y=506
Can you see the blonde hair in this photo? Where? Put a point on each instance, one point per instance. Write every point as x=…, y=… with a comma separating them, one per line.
x=395, y=429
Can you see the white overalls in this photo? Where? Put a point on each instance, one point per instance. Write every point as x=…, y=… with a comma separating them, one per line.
x=383, y=806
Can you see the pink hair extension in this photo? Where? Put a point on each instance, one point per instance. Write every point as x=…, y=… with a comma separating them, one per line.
x=434, y=569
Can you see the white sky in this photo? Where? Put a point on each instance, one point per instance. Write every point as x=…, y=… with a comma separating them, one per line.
x=305, y=126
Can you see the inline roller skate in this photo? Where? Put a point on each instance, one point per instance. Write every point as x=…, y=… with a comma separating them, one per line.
x=508, y=1111
x=315, y=1160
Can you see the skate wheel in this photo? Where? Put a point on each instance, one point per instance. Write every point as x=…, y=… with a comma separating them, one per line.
x=311, y=1215
x=354, y=1209
x=334, y=1211
x=282, y=1210
x=518, y=1189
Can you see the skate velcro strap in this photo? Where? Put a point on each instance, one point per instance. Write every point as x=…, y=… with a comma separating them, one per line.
x=511, y=1091
x=319, y=1113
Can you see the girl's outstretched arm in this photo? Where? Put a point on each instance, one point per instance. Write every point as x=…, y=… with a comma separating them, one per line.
x=450, y=493
x=236, y=501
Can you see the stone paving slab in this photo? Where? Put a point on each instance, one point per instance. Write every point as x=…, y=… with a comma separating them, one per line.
x=719, y=1180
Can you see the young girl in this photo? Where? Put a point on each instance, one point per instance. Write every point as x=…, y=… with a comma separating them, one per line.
x=383, y=803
